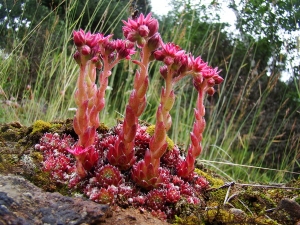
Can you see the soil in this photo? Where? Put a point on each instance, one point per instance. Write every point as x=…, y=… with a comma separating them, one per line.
x=27, y=195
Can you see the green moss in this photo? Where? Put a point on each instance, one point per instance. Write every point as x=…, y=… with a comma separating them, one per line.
x=221, y=216
x=2, y=167
x=37, y=156
x=214, y=182
x=218, y=195
x=55, y=126
x=150, y=130
x=8, y=163
x=262, y=220
x=297, y=199
x=102, y=128
x=42, y=179
x=40, y=126
x=189, y=220
x=170, y=143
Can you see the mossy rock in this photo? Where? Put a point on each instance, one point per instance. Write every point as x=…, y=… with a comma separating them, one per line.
x=220, y=204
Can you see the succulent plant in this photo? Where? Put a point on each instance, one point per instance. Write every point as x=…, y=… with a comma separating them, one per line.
x=128, y=165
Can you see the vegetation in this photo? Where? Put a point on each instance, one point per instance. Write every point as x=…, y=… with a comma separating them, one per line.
x=252, y=131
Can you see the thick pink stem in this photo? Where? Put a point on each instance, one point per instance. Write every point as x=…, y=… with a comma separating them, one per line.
x=122, y=154
x=187, y=167
x=158, y=144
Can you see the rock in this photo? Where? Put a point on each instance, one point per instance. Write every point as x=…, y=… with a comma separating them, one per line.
x=291, y=207
x=22, y=203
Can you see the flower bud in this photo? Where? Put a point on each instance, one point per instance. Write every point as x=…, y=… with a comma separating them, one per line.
x=197, y=82
x=210, y=91
x=95, y=59
x=109, y=47
x=218, y=79
x=211, y=82
x=92, y=40
x=85, y=50
x=141, y=42
x=163, y=71
x=131, y=37
x=111, y=57
x=159, y=55
x=153, y=26
x=76, y=56
x=79, y=37
x=168, y=60
x=207, y=72
x=143, y=31
x=154, y=42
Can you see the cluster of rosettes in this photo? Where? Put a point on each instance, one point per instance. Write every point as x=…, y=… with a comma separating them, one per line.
x=56, y=159
x=107, y=184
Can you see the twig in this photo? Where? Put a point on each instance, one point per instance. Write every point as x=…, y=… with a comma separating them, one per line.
x=265, y=186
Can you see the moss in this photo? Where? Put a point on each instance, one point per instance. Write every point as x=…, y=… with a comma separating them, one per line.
x=221, y=216
x=40, y=126
x=2, y=167
x=150, y=130
x=297, y=199
x=189, y=220
x=37, y=157
x=214, y=182
x=218, y=195
x=170, y=143
x=55, y=127
x=11, y=135
x=42, y=180
x=262, y=220
x=102, y=128
x=9, y=163
x=257, y=201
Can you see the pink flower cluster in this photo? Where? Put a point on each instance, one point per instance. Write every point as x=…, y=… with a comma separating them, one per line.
x=128, y=165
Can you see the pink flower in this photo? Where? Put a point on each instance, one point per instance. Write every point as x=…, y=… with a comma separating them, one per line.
x=210, y=72
x=141, y=29
x=89, y=46
x=169, y=50
x=124, y=48
x=174, y=58
x=81, y=38
x=86, y=158
x=207, y=73
x=199, y=65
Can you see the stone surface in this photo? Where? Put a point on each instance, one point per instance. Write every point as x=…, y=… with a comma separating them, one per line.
x=291, y=207
x=23, y=203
